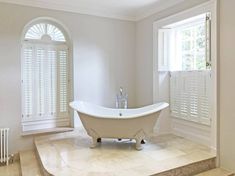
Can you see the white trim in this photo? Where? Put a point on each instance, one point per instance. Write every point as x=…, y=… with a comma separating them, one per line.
x=189, y=21
x=100, y=12
x=45, y=124
x=192, y=131
x=203, y=8
x=186, y=14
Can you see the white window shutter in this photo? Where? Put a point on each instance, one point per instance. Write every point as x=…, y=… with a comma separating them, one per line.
x=63, y=81
x=164, y=49
x=190, y=96
x=37, y=31
x=40, y=80
x=51, y=81
x=27, y=81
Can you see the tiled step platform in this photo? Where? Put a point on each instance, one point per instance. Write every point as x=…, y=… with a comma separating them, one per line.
x=216, y=172
x=166, y=155
x=29, y=163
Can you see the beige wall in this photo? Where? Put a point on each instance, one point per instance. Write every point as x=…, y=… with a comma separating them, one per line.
x=104, y=59
x=227, y=84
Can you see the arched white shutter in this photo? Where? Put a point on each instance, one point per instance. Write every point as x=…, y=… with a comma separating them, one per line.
x=45, y=78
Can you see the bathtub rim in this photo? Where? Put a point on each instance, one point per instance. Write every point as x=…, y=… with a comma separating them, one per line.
x=156, y=107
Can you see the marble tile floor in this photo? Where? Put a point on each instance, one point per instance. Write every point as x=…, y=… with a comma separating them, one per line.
x=11, y=169
x=216, y=172
x=69, y=154
x=29, y=163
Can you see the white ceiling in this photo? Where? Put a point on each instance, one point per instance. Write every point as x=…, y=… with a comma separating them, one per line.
x=133, y=10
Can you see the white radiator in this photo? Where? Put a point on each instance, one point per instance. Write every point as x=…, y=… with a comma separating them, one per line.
x=4, y=145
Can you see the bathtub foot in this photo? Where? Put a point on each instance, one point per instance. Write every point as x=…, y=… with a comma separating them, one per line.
x=94, y=142
x=138, y=145
x=95, y=138
x=99, y=140
x=119, y=139
x=139, y=137
x=142, y=141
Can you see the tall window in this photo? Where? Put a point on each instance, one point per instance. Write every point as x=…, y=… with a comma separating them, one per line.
x=184, y=50
x=185, y=45
x=45, y=75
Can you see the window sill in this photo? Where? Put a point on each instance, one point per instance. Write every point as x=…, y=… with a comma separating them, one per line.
x=47, y=131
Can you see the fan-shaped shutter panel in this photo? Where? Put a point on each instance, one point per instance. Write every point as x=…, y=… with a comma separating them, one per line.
x=37, y=31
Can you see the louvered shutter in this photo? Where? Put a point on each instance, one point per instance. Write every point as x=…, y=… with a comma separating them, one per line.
x=40, y=80
x=28, y=74
x=37, y=31
x=52, y=81
x=63, y=81
x=45, y=82
x=164, y=49
x=189, y=95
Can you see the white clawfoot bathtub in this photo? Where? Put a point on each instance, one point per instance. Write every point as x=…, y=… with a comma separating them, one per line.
x=101, y=122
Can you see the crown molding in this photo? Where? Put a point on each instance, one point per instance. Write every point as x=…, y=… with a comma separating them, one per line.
x=156, y=9
x=100, y=12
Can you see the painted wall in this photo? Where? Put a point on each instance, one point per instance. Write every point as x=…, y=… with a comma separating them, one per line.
x=227, y=84
x=104, y=59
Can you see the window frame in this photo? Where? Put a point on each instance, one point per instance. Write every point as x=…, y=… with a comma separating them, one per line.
x=171, y=52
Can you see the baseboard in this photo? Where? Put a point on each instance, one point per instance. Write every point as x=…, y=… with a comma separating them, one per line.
x=195, y=132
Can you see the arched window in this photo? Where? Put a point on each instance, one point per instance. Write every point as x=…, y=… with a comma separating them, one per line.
x=45, y=77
